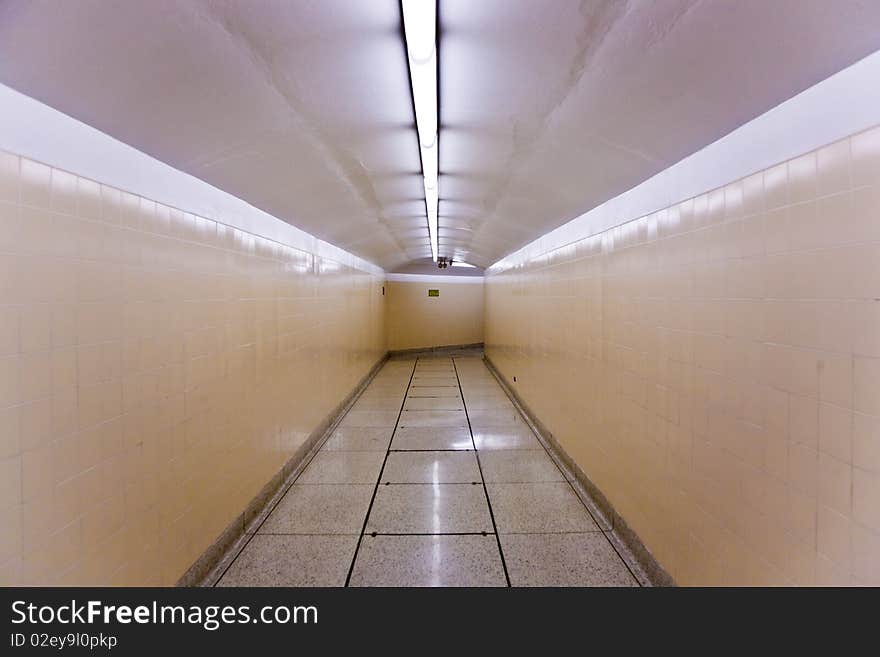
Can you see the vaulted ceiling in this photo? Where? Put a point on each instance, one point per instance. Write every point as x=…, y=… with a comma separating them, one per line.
x=303, y=108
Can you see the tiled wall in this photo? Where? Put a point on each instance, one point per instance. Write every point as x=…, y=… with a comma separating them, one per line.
x=156, y=369
x=714, y=367
x=413, y=319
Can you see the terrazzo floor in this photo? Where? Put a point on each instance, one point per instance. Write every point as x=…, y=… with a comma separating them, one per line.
x=432, y=478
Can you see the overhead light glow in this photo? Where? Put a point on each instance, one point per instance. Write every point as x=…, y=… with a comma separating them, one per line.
x=420, y=27
x=456, y=263
x=429, y=162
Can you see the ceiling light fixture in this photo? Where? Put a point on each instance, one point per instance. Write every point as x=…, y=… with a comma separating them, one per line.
x=420, y=28
x=456, y=263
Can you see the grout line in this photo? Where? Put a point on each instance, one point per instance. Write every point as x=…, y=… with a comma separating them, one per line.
x=483, y=479
x=377, y=534
x=379, y=478
x=445, y=449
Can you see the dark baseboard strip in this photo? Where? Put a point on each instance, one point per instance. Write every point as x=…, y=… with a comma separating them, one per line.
x=632, y=550
x=214, y=561
x=445, y=350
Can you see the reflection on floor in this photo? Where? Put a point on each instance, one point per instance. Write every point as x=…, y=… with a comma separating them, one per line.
x=432, y=479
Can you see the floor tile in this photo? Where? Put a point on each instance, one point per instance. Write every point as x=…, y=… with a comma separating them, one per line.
x=320, y=509
x=495, y=397
x=431, y=468
x=433, y=419
x=387, y=418
x=429, y=509
x=493, y=393
x=494, y=417
x=563, y=560
x=505, y=437
x=428, y=561
x=482, y=389
x=380, y=401
x=292, y=561
x=378, y=404
x=448, y=391
x=391, y=383
x=343, y=468
x=428, y=534
x=413, y=438
x=447, y=384
x=518, y=466
x=373, y=391
x=433, y=404
x=489, y=392
x=395, y=379
x=538, y=508
x=359, y=439
x=489, y=404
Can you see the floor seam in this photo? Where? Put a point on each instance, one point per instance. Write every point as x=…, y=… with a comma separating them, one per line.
x=480, y=467
x=379, y=478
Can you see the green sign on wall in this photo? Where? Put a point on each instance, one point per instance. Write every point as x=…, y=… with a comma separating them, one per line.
x=433, y=293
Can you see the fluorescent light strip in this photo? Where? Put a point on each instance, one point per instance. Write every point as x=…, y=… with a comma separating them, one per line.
x=420, y=26
x=456, y=263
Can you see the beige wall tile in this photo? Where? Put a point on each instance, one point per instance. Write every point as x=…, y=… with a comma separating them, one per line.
x=142, y=373
x=866, y=442
x=776, y=369
x=834, y=539
x=9, y=177
x=835, y=484
x=36, y=184
x=865, y=548
x=9, y=330
x=836, y=432
x=833, y=168
x=867, y=385
x=866, y=498
x=63, y=192
x=865, y=153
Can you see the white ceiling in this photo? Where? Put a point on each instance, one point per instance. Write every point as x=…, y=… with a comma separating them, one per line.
x=303, y=108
